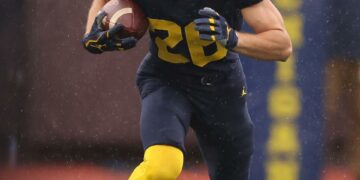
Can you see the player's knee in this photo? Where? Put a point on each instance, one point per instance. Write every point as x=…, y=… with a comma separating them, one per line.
x=162, y=162
x=167, y=172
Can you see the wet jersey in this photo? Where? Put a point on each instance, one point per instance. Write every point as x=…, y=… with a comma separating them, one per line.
x=173, y=35
x=187, y=82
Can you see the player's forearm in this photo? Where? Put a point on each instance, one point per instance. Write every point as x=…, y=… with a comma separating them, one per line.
x=95, y=8
x=273, y=45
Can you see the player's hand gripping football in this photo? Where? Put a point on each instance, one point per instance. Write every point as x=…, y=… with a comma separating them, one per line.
x=213, y=27
x=99, y=40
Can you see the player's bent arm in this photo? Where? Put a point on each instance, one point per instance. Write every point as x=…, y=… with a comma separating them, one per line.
x=271, y=41
x=94, y=9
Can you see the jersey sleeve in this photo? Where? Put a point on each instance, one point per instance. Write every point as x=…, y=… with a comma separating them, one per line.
x=245, y=3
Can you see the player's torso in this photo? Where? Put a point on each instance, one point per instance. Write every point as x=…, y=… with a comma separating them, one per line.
x=173, y=34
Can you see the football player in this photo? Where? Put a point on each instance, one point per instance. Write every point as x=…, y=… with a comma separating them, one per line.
x=192, y=77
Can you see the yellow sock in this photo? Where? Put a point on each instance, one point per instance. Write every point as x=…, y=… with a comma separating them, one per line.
x=161, y=162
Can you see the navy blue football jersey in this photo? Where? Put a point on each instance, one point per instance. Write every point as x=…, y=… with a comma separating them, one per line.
x=173, y=35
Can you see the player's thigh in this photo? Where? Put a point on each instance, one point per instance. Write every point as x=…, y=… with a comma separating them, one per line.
x=165, y=117
x=225, y=135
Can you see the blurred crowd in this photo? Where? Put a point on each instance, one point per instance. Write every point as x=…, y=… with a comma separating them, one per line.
x=342, y=85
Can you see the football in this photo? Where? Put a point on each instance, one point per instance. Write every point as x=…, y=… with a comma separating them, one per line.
x=127, y=13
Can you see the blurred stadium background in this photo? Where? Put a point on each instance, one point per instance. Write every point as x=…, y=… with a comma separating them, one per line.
x=66, y=114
